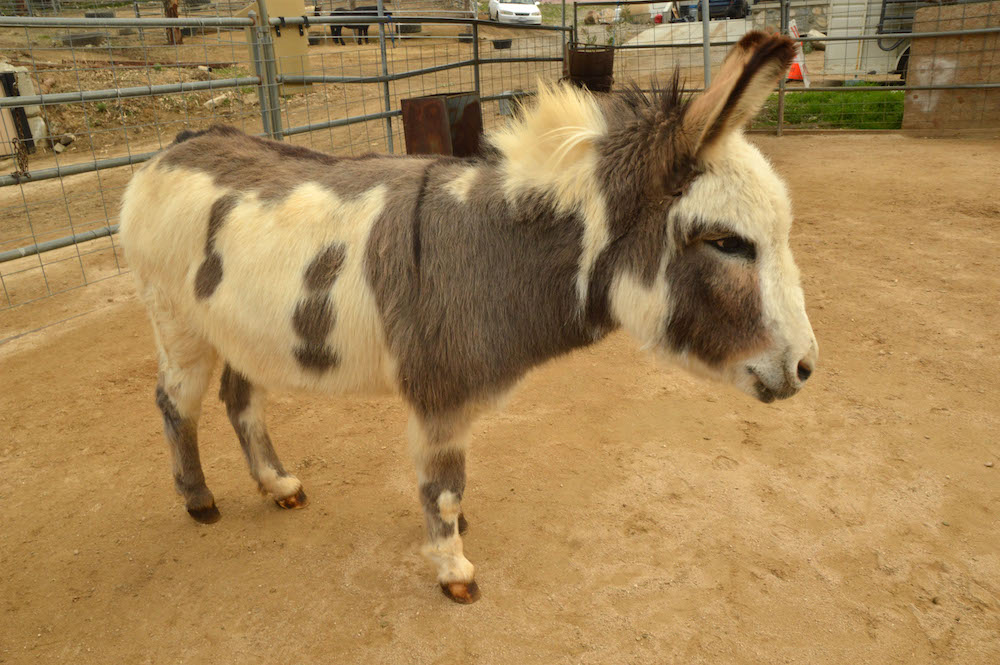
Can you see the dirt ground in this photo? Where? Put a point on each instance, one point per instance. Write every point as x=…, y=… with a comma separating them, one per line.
x=620, y=511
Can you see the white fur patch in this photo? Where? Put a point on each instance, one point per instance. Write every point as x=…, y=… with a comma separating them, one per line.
x=462, y=184
x=278, y=486
x=450, y=561
x=642, y=310
x=448, y=507
x=552, y=150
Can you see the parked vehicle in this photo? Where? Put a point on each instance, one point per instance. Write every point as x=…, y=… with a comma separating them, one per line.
x=888, y=55
x=515, y=11
x=691, y=10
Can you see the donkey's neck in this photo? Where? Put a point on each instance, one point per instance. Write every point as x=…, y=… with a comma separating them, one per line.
x=494, y=290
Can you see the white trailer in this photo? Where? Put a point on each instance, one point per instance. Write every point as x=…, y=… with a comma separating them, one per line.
x=874, y=57
x=890, y=20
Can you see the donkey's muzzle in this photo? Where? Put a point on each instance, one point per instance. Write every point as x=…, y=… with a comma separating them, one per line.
x=791, y=382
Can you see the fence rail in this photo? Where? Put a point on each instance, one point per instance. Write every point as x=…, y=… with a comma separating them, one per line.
x=111, y=106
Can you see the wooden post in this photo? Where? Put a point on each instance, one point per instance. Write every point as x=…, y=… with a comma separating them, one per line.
x=170, y=10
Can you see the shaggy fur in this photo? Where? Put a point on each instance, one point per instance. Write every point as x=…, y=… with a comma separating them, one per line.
x=446, y=280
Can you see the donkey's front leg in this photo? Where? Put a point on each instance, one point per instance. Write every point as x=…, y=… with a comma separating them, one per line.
x=438, y=447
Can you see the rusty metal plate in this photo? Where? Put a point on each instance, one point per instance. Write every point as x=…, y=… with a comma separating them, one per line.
x=425, y=126
x=466, y=121
x=445, y=124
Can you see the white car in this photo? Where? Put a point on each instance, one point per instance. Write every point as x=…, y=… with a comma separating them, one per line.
x=515, y=11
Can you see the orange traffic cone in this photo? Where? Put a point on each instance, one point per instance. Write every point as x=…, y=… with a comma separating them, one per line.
x=795, y=73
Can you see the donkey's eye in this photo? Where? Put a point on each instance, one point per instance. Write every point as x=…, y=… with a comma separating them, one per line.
x=734, y=245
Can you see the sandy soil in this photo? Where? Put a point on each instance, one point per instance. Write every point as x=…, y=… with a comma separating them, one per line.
x=620, y=512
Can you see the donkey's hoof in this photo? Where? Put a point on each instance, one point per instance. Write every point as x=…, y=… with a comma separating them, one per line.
x=461, y=592
x=297, y=500
x=208, y=515
x=463, y=524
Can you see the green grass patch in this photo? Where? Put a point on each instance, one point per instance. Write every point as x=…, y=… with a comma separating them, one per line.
x=552, y=14
x=855, y=109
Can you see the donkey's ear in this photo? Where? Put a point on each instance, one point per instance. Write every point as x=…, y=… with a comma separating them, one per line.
x=748, y=75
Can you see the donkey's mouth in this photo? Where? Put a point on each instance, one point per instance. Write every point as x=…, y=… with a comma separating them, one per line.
x=764, y=394
x=767, y=394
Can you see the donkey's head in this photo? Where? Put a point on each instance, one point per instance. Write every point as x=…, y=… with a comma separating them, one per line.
x=686, y=223
x=725, y=297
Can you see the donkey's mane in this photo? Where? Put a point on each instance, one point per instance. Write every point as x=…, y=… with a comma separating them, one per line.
x=666, y=99
x=563, y=117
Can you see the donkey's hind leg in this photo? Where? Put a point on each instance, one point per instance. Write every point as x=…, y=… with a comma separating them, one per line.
x=186, y=364
x=245, y=406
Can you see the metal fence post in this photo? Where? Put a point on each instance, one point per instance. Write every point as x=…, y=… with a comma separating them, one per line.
x=783, y=28
x=142, y=33
x=261, y=71
x=385, y=72
x=576, y=25
x=562, y=33
x=266, y=46
x=475, y=55
x=706, y=41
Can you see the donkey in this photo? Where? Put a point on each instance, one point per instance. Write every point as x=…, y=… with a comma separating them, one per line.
x=337, y=31
x=447, y=279
x=360, y=30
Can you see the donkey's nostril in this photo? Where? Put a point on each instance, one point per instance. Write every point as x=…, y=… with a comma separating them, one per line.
x=804, y=371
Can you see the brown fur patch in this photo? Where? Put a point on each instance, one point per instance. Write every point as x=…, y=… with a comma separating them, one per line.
x=182, y=437
x=313, y=320
x=314, y=316
x=495, y=294
x=446, y=470
x=715, y=305
x=208, y=277
x=272, y=169
x=324, y=269
x=234, y=391
x=209, y=273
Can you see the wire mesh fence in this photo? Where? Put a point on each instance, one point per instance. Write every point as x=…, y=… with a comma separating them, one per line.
x=90, y=91
x=101, y=94
x=864, y=64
